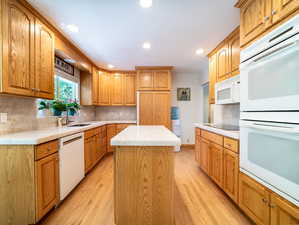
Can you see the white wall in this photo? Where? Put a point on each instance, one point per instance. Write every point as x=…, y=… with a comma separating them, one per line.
x=190, y=111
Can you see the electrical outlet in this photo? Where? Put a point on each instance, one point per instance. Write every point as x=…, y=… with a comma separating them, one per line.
x=188, y=140
x=3, y=117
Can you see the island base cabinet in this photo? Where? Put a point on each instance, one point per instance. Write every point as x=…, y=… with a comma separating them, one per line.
x=47, y=181
x=144, y=185
x=254, y=200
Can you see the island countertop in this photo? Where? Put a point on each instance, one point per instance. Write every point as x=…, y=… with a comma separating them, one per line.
x=146, y=136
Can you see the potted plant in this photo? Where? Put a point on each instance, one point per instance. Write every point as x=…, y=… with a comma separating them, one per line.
x=58, y=107
x=73, y=107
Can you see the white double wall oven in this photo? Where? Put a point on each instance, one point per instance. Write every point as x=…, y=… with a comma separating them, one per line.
x=269, y=126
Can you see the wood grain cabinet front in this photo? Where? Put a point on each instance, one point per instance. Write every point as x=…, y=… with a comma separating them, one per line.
x=205, y=155
x=47, y=184
x=216, y=163
x=27, y=53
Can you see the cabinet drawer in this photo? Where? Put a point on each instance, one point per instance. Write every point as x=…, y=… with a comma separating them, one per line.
x=218, y=139
x=231, y=144
x=46, y=149
x=89, y=133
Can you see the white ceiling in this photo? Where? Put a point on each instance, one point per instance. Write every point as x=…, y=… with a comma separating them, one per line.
x=113, y=31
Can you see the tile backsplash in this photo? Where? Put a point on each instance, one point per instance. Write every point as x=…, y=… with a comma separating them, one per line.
x=225, y=114
x=116, y=113
x=22, y=115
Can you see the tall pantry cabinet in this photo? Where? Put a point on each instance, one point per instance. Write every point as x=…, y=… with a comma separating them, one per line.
x=153, y=87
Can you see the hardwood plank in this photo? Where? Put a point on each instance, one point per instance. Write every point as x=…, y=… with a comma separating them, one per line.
x=198, y=200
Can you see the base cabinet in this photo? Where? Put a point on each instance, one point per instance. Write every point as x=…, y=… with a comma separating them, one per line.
x=204, y=155
x=216, y=163
x=47, y=184
x=111, y=132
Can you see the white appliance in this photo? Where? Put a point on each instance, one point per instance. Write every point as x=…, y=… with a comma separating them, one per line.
x=71, y=165
x=269, y=125
x=228, y=91
x=269, y=71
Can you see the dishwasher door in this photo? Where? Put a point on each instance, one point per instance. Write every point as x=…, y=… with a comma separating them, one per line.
x=71, y=166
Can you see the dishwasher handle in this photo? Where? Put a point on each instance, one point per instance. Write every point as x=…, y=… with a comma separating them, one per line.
x=71, y=140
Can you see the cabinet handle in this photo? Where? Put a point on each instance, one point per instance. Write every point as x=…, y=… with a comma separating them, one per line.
x=272, y=205
x=274, y=12
x=265, y=200
x=33, y=89
x=266, y=18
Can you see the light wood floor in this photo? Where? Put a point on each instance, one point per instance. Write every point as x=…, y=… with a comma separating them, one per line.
x=198, y=201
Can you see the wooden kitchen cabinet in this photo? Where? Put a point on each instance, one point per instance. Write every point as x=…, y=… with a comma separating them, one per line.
x=258, y=17
x=111, y=132
x=216, y=163
x=89, y=153
x=223, y=62
x=254, y=199
x=104, y=94
x=197, y=146
x=117, y=93
x=231, y=174
x=153, y=78
x=154, y=108
x=205, y=155
x=47, y=184
x=234, y=53
x=95, y=86
x=129, y=89
x=283, y=212
x=212, y=78
x=27, y=53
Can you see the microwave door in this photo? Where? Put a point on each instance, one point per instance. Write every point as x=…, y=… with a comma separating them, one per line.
x=269, y=81
x=269, y=152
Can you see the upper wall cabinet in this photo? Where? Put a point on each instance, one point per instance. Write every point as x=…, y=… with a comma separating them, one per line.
x=104, y=89
x=27, y=53
x=153, y=78
x=212, y=77
x=257, y=17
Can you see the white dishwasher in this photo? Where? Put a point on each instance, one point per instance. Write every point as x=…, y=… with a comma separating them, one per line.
x=71, y=165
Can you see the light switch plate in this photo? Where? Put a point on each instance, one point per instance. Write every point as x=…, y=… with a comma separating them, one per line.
x=3, y=117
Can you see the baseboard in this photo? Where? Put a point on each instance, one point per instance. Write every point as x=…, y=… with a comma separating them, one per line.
x=188, y=146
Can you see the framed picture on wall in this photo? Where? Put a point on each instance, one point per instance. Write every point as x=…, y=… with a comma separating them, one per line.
x=184, y=94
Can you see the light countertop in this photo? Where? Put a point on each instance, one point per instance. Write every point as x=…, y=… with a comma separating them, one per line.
x=146, y=136
x=227, y=133
x=36, y=137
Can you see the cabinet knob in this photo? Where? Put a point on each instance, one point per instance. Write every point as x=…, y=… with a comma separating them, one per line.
x=274, y=12
x=266, y=18
x=272, y=206
x=265, y=200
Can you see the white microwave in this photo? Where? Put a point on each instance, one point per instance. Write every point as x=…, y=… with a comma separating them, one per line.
x=228, y=91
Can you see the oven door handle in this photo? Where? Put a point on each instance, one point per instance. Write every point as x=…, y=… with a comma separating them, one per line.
x=275, y=128
x=276, y=50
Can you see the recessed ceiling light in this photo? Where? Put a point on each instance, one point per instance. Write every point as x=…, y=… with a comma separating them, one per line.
x=146, y=45
x=73, y=28
x=110, y=66
x=146, y=3
x=199, y=51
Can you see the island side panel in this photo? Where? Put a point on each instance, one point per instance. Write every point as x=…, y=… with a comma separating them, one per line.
x=144, y=185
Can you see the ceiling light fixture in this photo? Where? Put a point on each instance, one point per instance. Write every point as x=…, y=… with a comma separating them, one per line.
x=73, y=28
x=146, y=3
x=110, y=66
x=146, y=45
x=199, y=51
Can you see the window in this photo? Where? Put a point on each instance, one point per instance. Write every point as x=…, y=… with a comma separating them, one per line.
x=65, y=89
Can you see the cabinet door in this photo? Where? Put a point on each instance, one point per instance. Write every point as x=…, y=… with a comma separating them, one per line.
x=223, y=63
x=130, y=89
x=100, y=150
x=254, y=19
x=204, y=155
x=111, y=132
x=18, y=73
x=95, y=86
x=283, y=8
x=283, y=212
x=254, y=200
x=104, y=89
x=212, y=78
x=47, y=184
x=231, y=174
x=145, y=80
x=197, y=148
x=234, y=53
x=162, y=80
x=161, y=109
x=117, y=97
x=44, y=61
x=146, y=109
x=216, y=163
x=88, y=153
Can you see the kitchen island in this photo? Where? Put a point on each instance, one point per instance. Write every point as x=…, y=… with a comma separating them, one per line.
x=144, y=175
